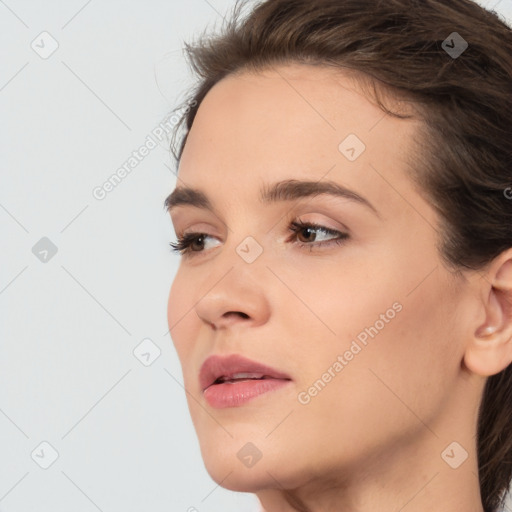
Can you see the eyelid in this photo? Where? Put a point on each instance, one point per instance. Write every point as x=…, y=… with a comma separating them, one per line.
x=197, y=231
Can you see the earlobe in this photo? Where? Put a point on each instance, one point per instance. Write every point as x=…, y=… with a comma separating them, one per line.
x=488, y=354
x=485, y=330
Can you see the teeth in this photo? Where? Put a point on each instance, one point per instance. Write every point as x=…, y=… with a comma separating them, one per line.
x=246, y=376
x=239, y=376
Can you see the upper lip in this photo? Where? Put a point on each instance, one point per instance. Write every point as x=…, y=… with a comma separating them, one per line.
x=227, y=366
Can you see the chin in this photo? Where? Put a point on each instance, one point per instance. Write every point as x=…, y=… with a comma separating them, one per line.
x=238, y=478
x=230, y=466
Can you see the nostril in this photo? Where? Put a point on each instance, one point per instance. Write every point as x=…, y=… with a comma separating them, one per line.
x=243, y=315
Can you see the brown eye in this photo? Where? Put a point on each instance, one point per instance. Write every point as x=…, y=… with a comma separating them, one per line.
x=197, y=242
x=308, y=232
x=190, y=242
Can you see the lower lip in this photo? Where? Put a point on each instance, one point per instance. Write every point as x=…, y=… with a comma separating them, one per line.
x=235, y=394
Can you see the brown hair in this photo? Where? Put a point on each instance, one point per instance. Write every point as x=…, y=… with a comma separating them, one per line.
x=463, y=159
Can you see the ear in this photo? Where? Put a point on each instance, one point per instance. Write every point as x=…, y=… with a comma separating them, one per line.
x=490, y=348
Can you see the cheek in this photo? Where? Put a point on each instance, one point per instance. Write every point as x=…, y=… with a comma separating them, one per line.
x=180, y=317
x=401, y=351
x=414, y=360
x=339, y=304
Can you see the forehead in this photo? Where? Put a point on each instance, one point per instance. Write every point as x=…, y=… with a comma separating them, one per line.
x=294, y=121
x=332, y=98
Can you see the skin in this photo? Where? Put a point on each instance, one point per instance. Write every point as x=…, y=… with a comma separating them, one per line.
x=373, y=437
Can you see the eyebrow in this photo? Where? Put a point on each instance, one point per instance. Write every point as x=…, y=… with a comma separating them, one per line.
x=288, y=190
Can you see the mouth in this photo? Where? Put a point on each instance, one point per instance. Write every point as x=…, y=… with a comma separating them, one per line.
x=230, y=381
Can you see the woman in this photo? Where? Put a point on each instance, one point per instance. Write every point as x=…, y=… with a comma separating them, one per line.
x=343, y=306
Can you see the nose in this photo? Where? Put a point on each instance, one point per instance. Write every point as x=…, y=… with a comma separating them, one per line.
x=235, y=299
x=226, y=319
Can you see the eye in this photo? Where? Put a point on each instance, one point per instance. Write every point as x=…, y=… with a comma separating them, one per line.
x=186, y=244
x=307, y=228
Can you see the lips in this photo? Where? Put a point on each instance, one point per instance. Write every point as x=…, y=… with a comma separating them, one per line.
x=218, y=370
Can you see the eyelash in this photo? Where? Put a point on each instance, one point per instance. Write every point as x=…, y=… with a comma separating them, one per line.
x=182, y=246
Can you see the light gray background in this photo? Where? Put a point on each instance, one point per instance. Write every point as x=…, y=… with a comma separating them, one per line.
x=69, y=326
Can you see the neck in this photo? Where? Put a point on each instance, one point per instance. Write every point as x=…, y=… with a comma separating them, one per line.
x=407, y=479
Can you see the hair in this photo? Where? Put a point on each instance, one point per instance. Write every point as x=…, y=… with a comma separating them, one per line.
x=462, y=158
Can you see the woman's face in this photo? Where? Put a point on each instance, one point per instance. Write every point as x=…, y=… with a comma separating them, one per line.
x=369, y=332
